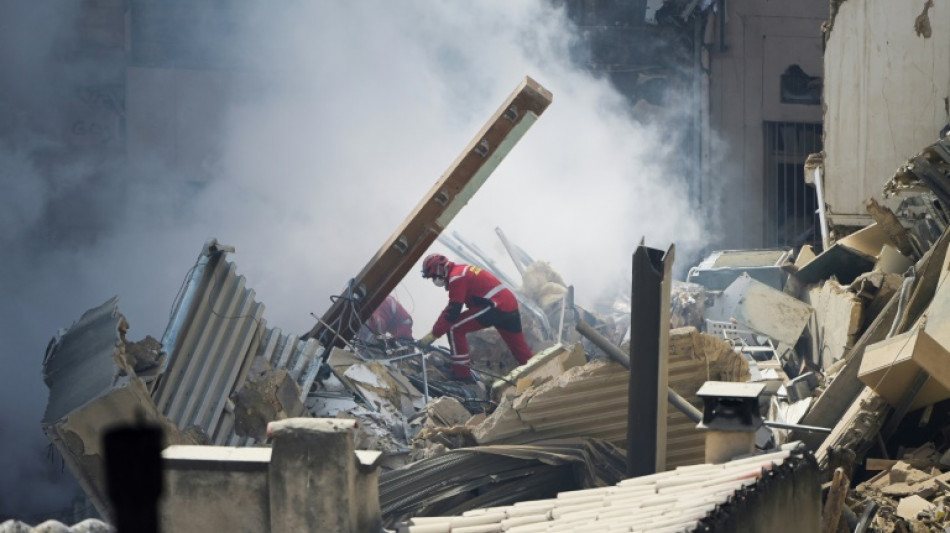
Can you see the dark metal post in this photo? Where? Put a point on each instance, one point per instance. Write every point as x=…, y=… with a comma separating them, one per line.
x=649, y=342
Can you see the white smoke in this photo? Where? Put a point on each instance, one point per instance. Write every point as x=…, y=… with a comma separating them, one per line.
x=336, y=120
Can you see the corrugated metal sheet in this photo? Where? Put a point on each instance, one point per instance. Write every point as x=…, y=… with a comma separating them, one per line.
x=592, y=402
x=496, y=475
x=214, y=334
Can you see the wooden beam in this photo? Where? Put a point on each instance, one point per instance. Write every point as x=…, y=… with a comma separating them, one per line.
x=437, y=208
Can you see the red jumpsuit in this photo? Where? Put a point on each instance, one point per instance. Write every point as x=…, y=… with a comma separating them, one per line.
x=391, y=317
x=488, y=304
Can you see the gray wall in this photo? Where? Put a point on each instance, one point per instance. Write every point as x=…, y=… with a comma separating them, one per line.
x=761, y=40
x=230, y=482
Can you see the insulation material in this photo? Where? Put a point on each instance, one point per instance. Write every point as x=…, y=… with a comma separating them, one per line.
x=542, y=284
x=688, y=303
x=839, y=314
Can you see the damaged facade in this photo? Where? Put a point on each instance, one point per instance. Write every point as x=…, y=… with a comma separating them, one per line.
x=844, y=339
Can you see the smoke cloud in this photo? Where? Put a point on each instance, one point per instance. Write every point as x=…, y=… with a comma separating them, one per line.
x=303, y=136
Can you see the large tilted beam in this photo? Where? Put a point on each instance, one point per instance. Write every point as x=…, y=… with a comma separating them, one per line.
x=439, y=206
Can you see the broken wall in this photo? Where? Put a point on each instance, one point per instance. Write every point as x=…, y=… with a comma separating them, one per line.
x=887, y=80
x=93, y=387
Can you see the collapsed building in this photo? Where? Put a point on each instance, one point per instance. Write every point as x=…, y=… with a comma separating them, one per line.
x=783, y=382
x=839, y=348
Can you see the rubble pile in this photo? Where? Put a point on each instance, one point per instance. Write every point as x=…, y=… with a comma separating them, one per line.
x=849, y=348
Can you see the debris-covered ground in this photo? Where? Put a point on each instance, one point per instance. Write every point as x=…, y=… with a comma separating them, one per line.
x=850, y=345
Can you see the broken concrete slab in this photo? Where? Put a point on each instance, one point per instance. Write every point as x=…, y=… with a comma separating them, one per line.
x=384, y=390
x=868, y=240
x=763, y=309
x=839, y=317
x=267, y=395
x=911, y=508
x=93, y=387
x=544, y=366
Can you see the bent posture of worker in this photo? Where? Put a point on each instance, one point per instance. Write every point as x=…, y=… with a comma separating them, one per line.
x=392, y=318
x=488, y=304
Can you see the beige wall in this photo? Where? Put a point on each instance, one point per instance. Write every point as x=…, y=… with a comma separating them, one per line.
x=762, y=39
x=886, y=90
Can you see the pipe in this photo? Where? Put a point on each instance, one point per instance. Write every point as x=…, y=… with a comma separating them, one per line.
x=820, y=192
x=511, y=253
x=617, y=355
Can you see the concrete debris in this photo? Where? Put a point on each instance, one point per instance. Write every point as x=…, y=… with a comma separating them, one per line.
x=890, y=367
x=875, y=289
x=268, y=394
x=849, y=354
x=93, y=386
x=544, y=366
x=444, y=424
x=839, y=316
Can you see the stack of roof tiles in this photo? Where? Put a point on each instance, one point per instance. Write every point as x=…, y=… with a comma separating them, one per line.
x=667, y=502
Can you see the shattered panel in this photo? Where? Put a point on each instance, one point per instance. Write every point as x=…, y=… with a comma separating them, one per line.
x=93, y=387
x=762, y=309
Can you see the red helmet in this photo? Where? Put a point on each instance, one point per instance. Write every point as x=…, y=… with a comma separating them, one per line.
x=435, y=265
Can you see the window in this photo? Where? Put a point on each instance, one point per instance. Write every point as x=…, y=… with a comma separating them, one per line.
x=791, y=217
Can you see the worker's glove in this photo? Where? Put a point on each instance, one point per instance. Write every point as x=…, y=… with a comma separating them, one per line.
x=427, y=340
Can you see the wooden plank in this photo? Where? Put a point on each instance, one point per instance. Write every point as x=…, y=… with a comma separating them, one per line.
x=433, y=213
x=874, y=464
x=834, y=502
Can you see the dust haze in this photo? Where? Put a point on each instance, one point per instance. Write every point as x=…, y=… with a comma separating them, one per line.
x=318, y=134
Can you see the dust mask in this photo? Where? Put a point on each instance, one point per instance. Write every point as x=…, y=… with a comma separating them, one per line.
x=438, y=282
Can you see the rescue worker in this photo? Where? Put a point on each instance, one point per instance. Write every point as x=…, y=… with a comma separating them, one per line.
x=488, y=304
x=392, y=318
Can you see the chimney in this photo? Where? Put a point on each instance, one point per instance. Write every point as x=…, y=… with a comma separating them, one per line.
x=730, y=418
